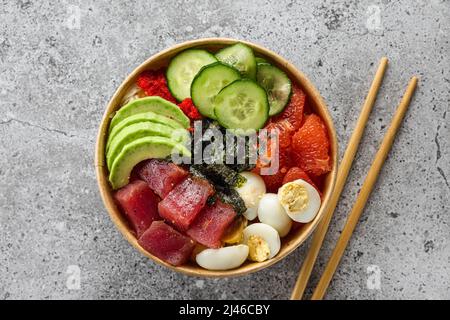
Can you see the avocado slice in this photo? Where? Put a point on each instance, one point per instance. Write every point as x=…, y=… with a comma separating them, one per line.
x=139, y=150
x=140, y=130
x=141, y=117
x=155, y=104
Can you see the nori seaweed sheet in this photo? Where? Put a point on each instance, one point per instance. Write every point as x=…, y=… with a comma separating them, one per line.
x=221, y=156
x=231, y=197
x=219, y=174
x=224, y=191
x=196, y=172
x=228, y=196
x=224, y=177
x=246, y=164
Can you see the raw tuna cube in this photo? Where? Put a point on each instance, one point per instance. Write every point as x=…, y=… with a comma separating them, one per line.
x=161, y=176
x=166, y=243
x=139, y=204
x=185, y=201
x=211, y=223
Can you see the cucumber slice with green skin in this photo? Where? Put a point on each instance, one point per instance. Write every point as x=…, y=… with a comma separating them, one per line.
x=141, y=130
x=208, y=83
x=183, y=68
x=260, y=60
x=242, y=105
x=154, y=104
x=140, y=150
x=240, y=57
x=141, y=117
x=277, y=85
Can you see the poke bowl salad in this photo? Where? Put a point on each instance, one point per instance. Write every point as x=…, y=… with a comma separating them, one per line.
x=215, y=159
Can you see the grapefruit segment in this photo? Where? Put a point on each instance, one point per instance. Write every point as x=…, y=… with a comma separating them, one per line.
x=311, y=147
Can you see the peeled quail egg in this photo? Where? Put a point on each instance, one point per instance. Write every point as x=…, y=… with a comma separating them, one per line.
x=271, y=212
x=263, y=241
x=300, y=200
x=223, y=258
x=251, y=192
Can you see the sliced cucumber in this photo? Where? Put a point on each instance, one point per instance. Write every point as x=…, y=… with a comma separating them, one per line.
x=260, y=60
x=277, y=85
x=208, y=83
x=183, y=68
x=240, y=57
x=242, y=105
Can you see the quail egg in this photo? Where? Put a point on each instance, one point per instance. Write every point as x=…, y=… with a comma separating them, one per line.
x=263, y=241
x=251, y=192
x=300, y=200
x=223, y=258
x=271, y=212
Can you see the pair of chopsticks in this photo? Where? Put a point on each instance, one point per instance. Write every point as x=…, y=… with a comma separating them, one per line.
x=344, y=169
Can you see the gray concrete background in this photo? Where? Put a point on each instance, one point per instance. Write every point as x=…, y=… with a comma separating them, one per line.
x=60, y=64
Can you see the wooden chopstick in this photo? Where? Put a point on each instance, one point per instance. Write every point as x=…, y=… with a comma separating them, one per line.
x=342, y=175
x=364, y=194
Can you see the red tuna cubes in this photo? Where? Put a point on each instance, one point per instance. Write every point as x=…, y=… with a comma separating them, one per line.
x=185, y=201
x=166, y=243
x=211, y=223
x=161, y=176
x=139, y=204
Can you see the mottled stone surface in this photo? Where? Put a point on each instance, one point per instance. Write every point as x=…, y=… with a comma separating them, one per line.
x=57, y=73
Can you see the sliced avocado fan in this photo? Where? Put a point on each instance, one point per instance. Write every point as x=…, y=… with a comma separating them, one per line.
x=139, y=150
x=141, y=117
x=154, y=104
x=140, y=130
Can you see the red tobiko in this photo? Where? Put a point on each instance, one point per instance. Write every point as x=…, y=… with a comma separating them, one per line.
x=189, y=109
x=154, y=84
